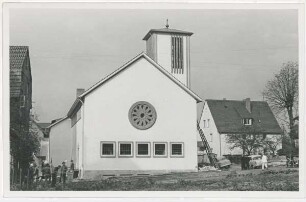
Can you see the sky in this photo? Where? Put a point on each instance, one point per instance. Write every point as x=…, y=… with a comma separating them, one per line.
x=233, y=52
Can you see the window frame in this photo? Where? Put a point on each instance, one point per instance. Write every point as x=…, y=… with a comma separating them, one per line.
x=211, y=137
x=177, y=156
x=248, y=120
x=166, y=150
x=132, y=149
x=101, y=149
x=149, y=150
x=208, y=120
x=204, y=121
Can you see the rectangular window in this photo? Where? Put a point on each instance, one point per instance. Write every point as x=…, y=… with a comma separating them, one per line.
x=160, y=149
x=143, y=149
x=125, y=149
x=207, y=123
x=204, y=123
x=108, y=149
x=211, y=137
x=177, y=55
x=177, y=150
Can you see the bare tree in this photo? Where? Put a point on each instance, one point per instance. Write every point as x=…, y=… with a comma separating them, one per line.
x=273, y=142
x=282, y=91
x=247, y=142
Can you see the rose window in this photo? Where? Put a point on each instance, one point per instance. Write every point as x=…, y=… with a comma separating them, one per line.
x=142, y=115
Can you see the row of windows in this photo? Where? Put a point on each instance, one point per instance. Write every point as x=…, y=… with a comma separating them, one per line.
x=142, y=149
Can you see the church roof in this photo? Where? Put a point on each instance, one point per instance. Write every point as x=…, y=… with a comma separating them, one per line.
x=228, y=115
x=76, y=105
x=166, y=30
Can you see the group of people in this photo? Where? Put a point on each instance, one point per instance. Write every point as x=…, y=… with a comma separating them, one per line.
x=48, y=173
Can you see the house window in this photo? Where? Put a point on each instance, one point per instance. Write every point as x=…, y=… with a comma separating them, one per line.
x=211, y=137
x=143, y=149
x=177, y=150
x=177, y=54
x=160, y=149
x=125, y=149
x=204, y=123
x=108, y=149
x=22, y=101
x=207, y=123
x=247, y=122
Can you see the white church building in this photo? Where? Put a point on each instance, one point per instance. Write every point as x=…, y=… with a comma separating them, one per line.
x=142, y=118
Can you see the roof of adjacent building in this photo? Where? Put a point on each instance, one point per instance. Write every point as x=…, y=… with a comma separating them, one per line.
x=43, y=125
x=78, y=102
x=228, y=115
x=166, y=31
x=57, y=122
x=18, y=55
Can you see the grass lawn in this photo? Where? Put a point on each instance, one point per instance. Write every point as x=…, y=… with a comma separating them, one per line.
x=257, y=180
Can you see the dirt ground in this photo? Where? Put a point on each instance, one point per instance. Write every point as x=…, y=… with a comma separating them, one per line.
x=278, y=178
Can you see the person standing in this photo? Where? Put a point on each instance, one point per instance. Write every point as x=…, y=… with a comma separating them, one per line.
x=72, y=166
x=264, y=160
x=53, y=175
x=64, y=172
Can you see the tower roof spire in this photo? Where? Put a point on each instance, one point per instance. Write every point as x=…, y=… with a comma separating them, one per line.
x=167, y=24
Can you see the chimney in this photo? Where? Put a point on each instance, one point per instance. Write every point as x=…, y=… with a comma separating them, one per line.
x=248, y=104
x=79, y=92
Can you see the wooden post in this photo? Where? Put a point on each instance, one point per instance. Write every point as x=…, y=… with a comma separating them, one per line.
x=20, y=174
x=13, y=174
x=28, y=175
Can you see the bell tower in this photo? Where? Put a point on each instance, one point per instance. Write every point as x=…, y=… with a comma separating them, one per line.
x=170, y=48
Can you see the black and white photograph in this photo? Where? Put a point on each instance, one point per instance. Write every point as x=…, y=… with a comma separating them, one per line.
x=127, y=97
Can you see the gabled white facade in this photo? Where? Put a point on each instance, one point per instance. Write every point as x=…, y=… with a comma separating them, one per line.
x=60, y=142
x=105, y=119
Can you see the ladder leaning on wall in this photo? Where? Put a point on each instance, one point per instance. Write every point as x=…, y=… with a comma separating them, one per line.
x=211, y=156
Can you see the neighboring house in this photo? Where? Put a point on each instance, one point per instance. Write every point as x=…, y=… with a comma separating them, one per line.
x=60, y=141
x=20, y=95
x=139, y=119
x=228, y=117
x=42, y=133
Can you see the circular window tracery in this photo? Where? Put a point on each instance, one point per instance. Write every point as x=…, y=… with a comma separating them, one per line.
x=142, y=115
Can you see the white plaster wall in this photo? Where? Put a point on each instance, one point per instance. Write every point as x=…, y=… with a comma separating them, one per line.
x=164, y=55
x=60, y=142
x=106, y=119
x=77, y=130
x=212, y=129
x=226, y=147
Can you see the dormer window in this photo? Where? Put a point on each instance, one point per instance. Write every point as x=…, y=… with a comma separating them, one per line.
x=247, y=122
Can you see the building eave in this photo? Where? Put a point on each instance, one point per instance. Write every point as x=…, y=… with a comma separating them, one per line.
x=57, y=122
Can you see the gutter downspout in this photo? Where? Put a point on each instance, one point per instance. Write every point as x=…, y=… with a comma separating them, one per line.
x=82, y=166
x=220, y=143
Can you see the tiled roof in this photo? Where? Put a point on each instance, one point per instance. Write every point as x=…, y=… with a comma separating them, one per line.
x=166, y=30
x=17, y=58
x=228, y=115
